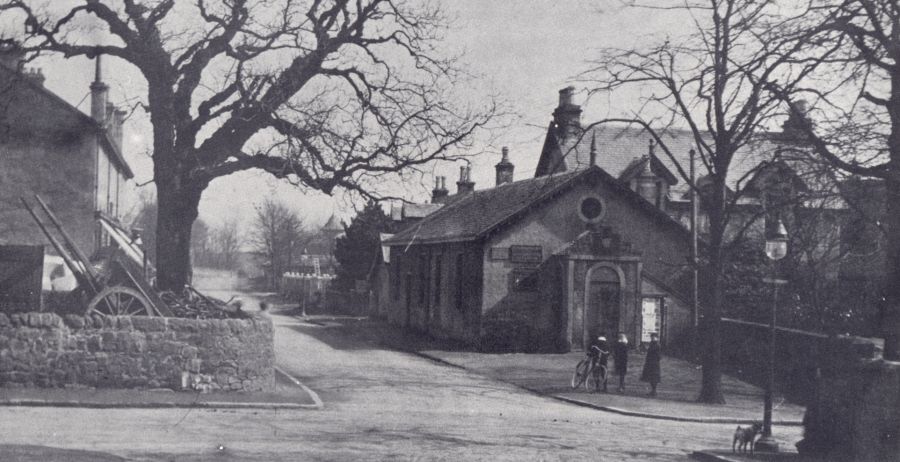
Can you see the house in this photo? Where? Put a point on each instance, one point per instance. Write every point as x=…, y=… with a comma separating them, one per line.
x=597, y=242
x=50, y=148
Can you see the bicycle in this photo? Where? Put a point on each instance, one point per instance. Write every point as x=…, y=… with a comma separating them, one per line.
x=589, y=372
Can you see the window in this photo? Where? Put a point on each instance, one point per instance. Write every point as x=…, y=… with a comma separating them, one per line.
x=438, y=270
x=424, y=272
x=524, y=280
x=395, y=280
x=591, y=209
x=459, y=281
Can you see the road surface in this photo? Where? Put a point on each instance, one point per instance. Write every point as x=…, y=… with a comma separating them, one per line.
x=379, y=404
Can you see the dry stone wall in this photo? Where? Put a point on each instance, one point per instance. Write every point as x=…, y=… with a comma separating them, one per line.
x=46, y=350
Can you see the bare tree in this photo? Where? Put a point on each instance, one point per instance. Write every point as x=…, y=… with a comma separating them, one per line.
x=858, y=128
x=277, y=236
x=226, y=243
x=326, y=93
x=713, y=81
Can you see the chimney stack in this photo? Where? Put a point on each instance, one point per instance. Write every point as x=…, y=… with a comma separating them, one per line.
x=567, y=116
x=465, y=183
x=99, y=93
x=504, y=168
x=798, y=122
x=35, y=75
x=439, y=193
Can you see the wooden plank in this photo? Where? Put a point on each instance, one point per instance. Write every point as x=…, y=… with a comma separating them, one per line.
x=70, y=244
x=76, y=269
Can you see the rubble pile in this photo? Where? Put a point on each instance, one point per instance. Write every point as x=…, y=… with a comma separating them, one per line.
x=195, y=306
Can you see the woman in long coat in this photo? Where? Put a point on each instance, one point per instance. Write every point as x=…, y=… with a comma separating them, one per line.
x=651, y=372
x=620, y=351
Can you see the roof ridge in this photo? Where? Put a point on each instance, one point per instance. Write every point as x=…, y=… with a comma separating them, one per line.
x=468, y=197
x=574, y=175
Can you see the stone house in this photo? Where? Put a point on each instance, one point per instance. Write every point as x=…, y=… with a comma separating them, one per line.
x=597, y=242
x=72, y=160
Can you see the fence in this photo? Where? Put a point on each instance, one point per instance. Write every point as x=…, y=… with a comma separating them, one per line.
x=309, y=290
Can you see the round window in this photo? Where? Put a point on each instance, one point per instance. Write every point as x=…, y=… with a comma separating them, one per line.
x=591, y=209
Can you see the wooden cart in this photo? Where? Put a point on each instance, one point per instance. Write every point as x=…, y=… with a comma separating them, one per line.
x=114, y=281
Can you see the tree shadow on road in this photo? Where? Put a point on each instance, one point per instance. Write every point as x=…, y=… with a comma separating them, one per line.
x=29, y=453
x=354, y=333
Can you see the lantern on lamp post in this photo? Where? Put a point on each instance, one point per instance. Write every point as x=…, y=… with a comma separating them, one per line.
x=776, y=249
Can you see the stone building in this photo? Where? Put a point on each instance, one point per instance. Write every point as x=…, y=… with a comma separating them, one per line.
x=597, y=242
x=72, y=160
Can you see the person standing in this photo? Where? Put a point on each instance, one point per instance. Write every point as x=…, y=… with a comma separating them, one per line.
x=651, y=372
x=620, y=352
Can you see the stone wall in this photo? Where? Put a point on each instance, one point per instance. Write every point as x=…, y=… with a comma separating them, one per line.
x=46, y=350
x=799, y=355
x=855, y=414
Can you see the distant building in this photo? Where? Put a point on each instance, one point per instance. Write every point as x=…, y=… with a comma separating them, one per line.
x=50, y=148
x=596, y=243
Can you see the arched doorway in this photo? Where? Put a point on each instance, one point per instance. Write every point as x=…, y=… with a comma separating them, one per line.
x=603, y=302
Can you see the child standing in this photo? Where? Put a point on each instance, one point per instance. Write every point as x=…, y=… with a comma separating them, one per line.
x=620, y=351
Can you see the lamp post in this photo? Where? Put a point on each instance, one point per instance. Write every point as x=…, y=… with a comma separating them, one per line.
x=776, y=249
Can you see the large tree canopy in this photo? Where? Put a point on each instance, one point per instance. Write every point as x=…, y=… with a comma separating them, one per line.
x=713, y=79
x=325, y=93
x=855, y=100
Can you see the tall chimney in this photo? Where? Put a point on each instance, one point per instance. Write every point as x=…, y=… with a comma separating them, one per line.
x=567, y=116
x=465, y=183
x=99, y=93
x=119, y=123
x=440, y=190
x=798, y=122
x=504, y=168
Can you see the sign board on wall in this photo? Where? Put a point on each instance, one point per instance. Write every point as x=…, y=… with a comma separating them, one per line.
x=499, y=253
x=526, y=254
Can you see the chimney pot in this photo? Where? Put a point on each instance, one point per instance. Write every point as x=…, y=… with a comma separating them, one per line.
x=565, y=96
x=567, y=116
x=465, y=183
x=504, y=169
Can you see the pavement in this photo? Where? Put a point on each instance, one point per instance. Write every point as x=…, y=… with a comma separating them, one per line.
x=550, y=374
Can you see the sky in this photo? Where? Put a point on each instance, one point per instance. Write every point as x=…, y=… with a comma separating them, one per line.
x=523, y=51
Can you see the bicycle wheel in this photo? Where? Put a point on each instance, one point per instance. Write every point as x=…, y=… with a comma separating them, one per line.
x=581, y=373
x=598, y=377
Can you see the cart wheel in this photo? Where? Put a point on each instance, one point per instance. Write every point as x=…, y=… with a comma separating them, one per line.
x=119, y=301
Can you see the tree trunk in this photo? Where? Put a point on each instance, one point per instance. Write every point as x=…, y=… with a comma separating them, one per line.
x=891, y=313
x=177, y=210
x=891, y=307
x=711, y=383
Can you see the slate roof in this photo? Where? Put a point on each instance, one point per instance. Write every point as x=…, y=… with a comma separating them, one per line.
x=419, y=210
x=115, y=154
x=620, y=147
x=472, y=214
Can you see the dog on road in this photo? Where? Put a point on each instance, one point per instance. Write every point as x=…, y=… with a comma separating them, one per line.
x=744, y=438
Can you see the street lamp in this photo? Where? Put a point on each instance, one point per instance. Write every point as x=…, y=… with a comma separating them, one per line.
x=776, y=249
